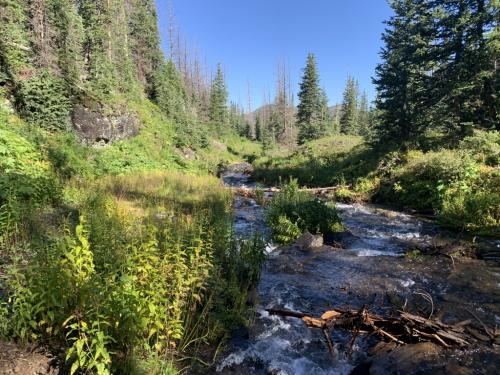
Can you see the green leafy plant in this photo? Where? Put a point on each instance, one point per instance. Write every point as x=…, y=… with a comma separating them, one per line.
x=292, y=211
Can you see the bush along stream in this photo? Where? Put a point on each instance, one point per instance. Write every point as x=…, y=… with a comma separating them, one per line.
x=375, y=264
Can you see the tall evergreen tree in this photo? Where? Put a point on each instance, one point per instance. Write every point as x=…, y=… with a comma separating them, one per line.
x=144, y=40
x=364, y=116
x=463, y=84
x=310, y=108
x=169, y=93
x=349, y=119
x=218, y=99
x=325, y=118
x=402, y=79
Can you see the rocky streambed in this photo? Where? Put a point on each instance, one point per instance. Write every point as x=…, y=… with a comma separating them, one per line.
x=370, y=270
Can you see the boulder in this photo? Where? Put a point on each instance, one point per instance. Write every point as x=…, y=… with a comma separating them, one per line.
x=96, y=127
x=419, y=358
x=309, y=241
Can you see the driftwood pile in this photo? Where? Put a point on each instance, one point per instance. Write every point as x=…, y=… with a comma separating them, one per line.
x=403, y=328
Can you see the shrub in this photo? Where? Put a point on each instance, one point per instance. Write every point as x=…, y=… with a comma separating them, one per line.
x=292, y=211
x=24, y=175
x=43, y=100
x=68, y=158
x=476, y=209
x=484, y=146
x=421, y=179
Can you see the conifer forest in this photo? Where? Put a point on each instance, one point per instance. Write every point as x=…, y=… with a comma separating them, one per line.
x=151, y=223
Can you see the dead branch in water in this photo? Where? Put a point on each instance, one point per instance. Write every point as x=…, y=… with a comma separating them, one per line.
x=251, y=192
x=403, y=328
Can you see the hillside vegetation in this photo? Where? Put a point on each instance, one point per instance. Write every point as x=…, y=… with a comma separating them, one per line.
x=460, y=186
x=116, y=244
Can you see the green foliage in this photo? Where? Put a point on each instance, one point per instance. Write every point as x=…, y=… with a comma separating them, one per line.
x=421, y=180
x=484, y=146
x=152, y=270
x=475, y=208
x=218, y=99
x=14, y=39
x=67, y=27
x=24, y=175
x=459, y=186
x=68, y=158
x=451, y=39
x=284, y=230
x=324, y=162
x=349, y=121
x=311, y=113
x=43, y=100
x=169, y=92
x=291, y=212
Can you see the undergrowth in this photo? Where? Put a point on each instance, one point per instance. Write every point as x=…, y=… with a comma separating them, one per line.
x=106, y=256
x=145, y=271
x=292, y=211
x=459, y=186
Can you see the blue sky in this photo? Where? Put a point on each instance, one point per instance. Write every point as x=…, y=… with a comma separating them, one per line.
x=249, y=37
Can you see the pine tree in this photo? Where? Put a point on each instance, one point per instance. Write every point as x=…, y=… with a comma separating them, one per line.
x=463, y=83
x=325, y=118
x=258, y=128
x=169, y=93
x=349, y=119
x=218, y=99
x=402, y=79
x=145, y=40
x=310, y=108
x=15, y=52
x=364, y=116
x=69, y=40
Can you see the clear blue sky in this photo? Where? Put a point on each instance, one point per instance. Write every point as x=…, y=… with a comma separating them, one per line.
x=249, y=37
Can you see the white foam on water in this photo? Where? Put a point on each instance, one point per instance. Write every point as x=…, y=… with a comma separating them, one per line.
x=407, y=283
x=270, y=247
x=266, y=351
x=280, y=325
x=374, y=253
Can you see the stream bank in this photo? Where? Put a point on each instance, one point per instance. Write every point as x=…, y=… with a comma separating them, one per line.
x=372, y=270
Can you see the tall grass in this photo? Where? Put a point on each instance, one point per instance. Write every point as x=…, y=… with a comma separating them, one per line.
x=151, y=270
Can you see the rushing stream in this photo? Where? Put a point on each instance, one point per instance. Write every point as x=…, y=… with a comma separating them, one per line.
x=371, y=270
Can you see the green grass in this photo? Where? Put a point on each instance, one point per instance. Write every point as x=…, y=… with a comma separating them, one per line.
x=460, y=186
x=325, y=162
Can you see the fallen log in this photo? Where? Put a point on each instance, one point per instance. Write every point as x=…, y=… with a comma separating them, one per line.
x=402, y=328
x=251, y=192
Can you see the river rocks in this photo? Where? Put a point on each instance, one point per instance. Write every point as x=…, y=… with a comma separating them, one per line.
x=415, y=359
x=309, y=241
x=95, y=127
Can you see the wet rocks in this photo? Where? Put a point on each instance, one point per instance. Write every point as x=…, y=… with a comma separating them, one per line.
x=98, y=126
x=309, y=241
x=408, y=359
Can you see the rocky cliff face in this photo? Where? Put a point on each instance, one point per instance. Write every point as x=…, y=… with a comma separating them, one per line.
x=97, y=128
